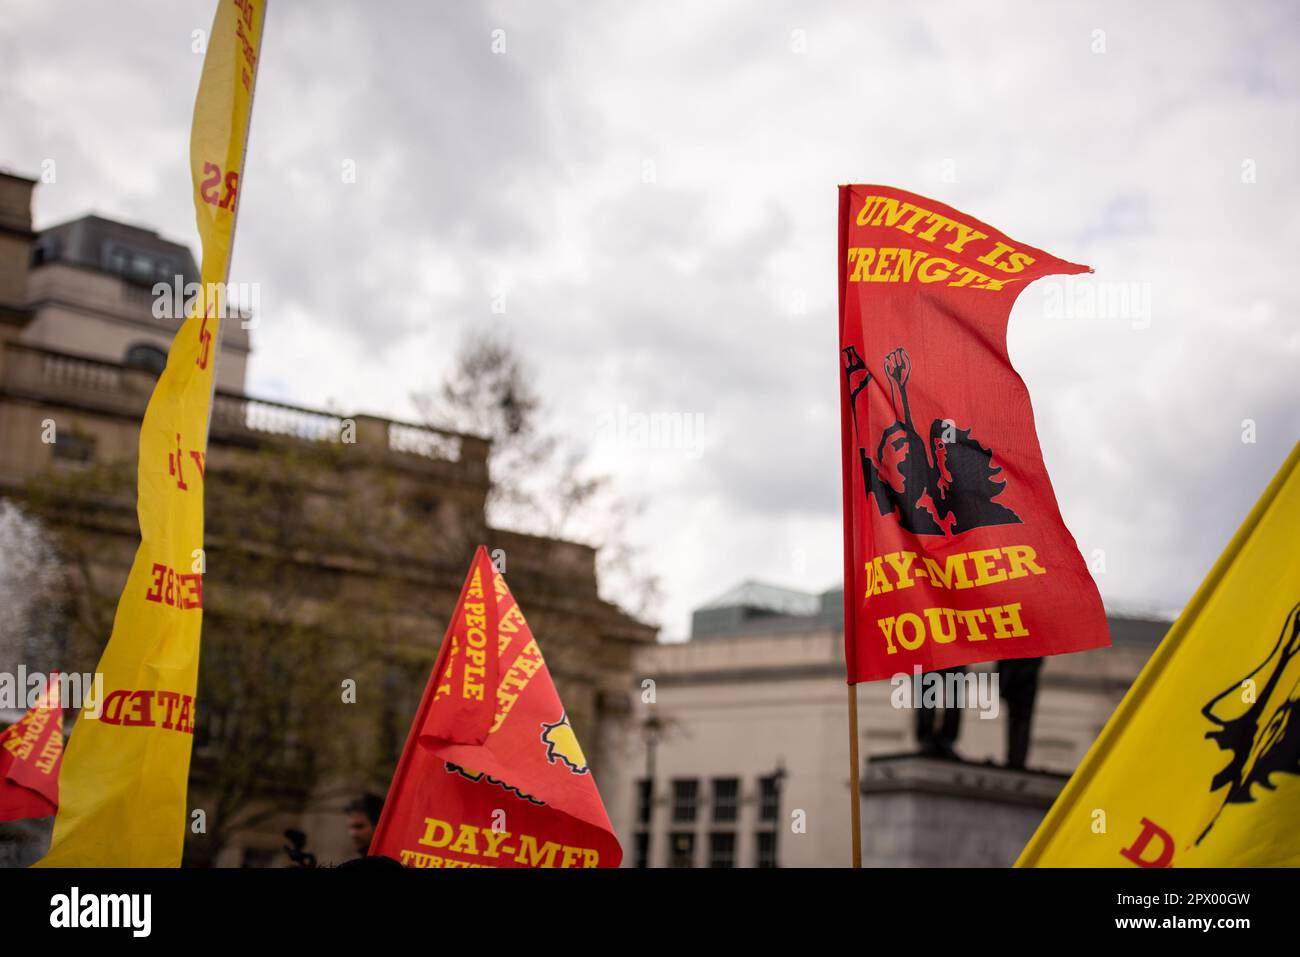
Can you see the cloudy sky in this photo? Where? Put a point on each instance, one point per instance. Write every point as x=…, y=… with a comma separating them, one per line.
x=649, y=188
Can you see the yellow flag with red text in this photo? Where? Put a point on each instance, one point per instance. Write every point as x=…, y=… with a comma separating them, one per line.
x=122, y=788
x=1200, y=764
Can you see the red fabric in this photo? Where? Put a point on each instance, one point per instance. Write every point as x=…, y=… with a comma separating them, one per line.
x=503, y=787
x=31, y=753
x=942, y=467
x=466, y=695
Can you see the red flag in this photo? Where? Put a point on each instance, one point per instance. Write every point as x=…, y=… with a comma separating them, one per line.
x=501, y=786
x=467, y=662
x=31, y=752
x=954, y=547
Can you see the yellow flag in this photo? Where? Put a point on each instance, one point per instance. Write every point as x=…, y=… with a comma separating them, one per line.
x=123, y=784
x=1200, y=764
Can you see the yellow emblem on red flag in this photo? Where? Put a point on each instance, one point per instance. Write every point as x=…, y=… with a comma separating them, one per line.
x=492, y=774
x=125, y=772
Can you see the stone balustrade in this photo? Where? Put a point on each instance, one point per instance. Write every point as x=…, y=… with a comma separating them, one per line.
x=58, y=378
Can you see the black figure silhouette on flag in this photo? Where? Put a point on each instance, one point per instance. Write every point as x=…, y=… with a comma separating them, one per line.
x=945, y=486
x=1258, y=719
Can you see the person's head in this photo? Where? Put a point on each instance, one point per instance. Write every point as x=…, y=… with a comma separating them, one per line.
x=902, y=462
x=363, y=815
x=891, y=455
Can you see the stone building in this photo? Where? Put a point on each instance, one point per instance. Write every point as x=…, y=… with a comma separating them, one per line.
x=742, y=757
x=355, y=527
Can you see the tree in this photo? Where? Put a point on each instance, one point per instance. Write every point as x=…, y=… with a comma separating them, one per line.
x=281, y=633
x=542, y=483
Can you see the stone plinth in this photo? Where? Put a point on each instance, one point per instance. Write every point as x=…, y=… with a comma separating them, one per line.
x=926, y=812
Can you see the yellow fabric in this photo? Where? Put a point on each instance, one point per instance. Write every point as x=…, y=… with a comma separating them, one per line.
x=122, y=789
x=1229, y=667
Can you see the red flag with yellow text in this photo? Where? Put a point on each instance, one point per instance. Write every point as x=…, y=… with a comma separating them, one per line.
x=955, y=550
x=31, y=752
x=492, y=774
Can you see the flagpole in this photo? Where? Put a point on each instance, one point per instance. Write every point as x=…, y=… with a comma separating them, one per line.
x=846, y=414
x=855, y=784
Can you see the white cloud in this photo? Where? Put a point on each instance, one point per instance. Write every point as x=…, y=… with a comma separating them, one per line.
x=710, y=290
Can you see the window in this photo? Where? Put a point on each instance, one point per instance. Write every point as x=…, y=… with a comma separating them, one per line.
x=683, y=850
x=685, y=794
x=642, y=853
x=643, y=801
x=769, y=798
x=766, y=849
x=147, y=357
x=400, y=699
x=726, y=799
x=722, y=849
x=142, y=269
x=422, y=506
x=259, y=857
x=71, y=447
x=45, y=250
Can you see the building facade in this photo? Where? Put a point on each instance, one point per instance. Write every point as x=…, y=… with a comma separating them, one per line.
x=739, y=752
x=341, y=539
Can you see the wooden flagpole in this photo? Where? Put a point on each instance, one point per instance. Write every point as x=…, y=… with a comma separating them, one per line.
x=846, y=417
x=855, y=785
